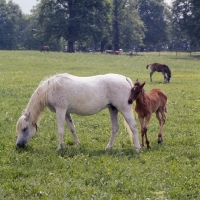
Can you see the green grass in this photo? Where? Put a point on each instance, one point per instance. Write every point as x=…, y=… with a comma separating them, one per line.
x=88, y=171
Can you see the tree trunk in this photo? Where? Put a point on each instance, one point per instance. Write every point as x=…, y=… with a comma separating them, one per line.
x=115, y=27
x=116, y=35
x=102, y=46
x=70, y=46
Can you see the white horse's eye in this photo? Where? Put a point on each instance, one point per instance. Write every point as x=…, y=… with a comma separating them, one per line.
x=25, y=128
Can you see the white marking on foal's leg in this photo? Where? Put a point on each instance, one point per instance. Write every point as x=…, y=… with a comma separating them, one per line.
x=72, y=128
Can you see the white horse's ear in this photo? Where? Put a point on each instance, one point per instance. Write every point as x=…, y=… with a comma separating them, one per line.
x=24, y=112
x=27, y=116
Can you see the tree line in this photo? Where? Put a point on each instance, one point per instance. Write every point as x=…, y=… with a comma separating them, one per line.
x=138, y=25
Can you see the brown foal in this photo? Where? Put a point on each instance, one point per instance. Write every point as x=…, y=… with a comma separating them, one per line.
x=146, y=105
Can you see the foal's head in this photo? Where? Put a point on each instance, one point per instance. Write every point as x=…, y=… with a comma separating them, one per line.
x=135, y=91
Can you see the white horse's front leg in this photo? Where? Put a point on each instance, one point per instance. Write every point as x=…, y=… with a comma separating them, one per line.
x=60, y=113
x=114, y=119
x=72, y=128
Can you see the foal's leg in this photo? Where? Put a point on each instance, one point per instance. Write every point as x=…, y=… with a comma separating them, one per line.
x=165, y=78
x=151, y=73
x=158, y=116
x=60, y=114
x=141, y=120
x=114, y=120
x=70, y=124
x=147, y=119
x=162, y=122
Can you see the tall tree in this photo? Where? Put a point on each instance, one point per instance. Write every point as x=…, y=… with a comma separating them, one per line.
x=186, y=20
x=152, y=13
x=10, y=16
x=29, y=27
x=72, y=19
x=128, y=29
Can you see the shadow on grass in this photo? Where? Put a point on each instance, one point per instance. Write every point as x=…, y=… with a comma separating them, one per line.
x=70, y=151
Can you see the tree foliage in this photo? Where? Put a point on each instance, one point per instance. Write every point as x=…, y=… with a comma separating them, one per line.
x=115, y=24
x=73, y=20
x=186, y=20
x=128, y=29
x=153, y=14
x=10, y=17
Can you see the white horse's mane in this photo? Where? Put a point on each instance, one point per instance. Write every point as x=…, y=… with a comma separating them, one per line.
x=38, y=101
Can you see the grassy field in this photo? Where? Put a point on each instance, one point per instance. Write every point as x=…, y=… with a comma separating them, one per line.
x=88, y=171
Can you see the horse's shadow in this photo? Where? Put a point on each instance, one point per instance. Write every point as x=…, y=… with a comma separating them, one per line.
x=72, y=151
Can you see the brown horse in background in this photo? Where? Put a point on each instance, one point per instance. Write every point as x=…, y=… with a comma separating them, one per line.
x=44, y=48
x=146, y=104
x=157, y=67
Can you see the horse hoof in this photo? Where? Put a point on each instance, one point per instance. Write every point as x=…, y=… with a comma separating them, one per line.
x=159, y=141
x=19, y=145
x=138, y=150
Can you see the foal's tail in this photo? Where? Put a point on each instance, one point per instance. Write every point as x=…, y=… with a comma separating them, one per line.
x=127, y=128
x=148, y=65
x=165, y=109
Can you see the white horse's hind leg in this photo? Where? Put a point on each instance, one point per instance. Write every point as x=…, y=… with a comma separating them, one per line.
x=128, y=116
x=72, y=128
x=60, y=113
x=114, y=120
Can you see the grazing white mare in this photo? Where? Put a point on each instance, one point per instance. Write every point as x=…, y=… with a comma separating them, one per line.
x=65, y=94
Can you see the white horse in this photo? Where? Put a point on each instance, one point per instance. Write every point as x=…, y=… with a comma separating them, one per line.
x=65, y=94
x=121, y=51
x=109, y=51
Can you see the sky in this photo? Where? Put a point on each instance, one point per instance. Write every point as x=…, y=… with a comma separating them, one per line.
x=27, y=5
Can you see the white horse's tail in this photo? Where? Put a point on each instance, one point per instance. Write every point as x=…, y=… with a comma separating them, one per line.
x=127, y=128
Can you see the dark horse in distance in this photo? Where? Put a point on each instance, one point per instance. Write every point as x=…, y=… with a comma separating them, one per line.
x=44, y=48
x=157, y=67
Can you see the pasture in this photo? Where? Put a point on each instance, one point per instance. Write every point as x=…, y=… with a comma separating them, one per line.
x=170, y=170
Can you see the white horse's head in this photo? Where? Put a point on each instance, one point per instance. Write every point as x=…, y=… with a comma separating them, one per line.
x=25, y=129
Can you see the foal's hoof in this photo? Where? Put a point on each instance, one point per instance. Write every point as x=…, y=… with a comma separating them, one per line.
x=148, y=147
x=159, y=141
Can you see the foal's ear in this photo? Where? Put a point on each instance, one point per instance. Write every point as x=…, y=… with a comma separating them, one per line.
x=143, y=84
